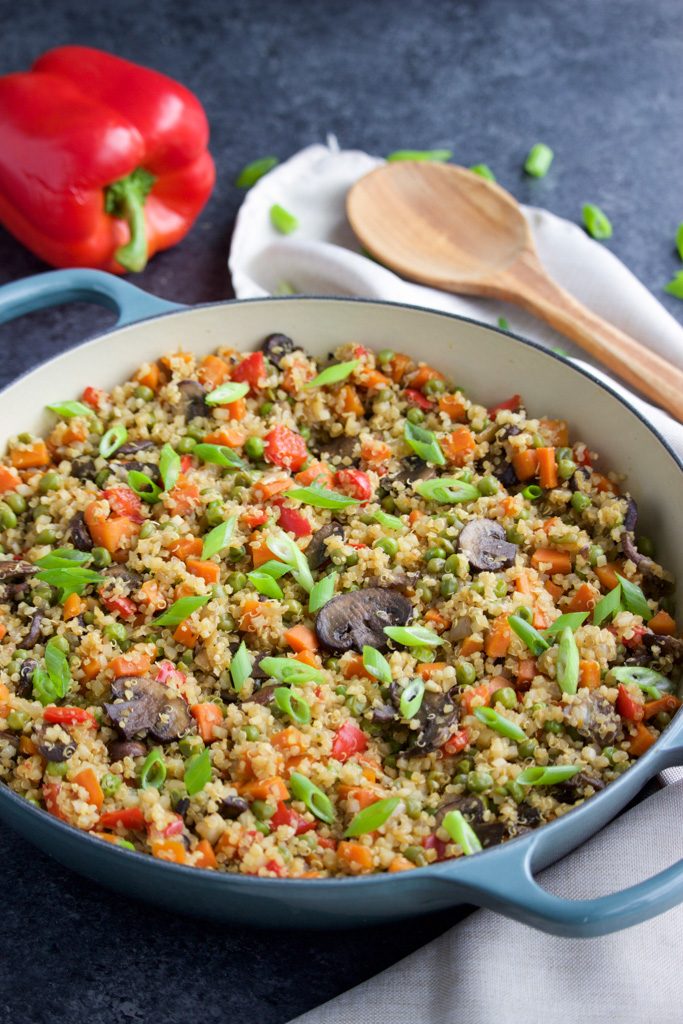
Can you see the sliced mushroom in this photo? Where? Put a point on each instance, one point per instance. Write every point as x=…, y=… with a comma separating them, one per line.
x=338, y=449
x=265, y=696
x=33, y=635
x=16, y=570
x=595, y=719
x=351, y=620
x=460, y=629
x=80, y=534
x=485, y=546
x=276, y=346
x=402, y=581
x=10, y=740
x=144, y=705
x=83, y=468
x=664, y=646
x=194, y=396
x=384, y=714
x=491, y=833
x=131, y=580
x=316, y=552
x=132, y=447
x=438, y=716
x=126, y=748
x=575, y=788
x=26, y=670
x=628, y=541
x=527, y=814
x=412, y=469
x=54, y=750
x=471, y=807
x=122, y=469
x=231, y=807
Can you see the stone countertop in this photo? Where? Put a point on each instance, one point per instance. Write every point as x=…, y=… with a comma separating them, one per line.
x=598, y=80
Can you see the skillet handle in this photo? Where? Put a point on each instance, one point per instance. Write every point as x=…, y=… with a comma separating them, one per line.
x=58, y=287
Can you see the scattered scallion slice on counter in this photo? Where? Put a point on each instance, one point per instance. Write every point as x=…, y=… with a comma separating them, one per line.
x=322, y=592
x=218, y=455
x=534, y=640
x=567, y=662
x=197, y=772
x=317, y=802
x=538, y=162
x=596, y=222
x=675, y=286
x=251, y=173
x=265, y=584
x=538, y=776
x=503, y=323
x=634, y=599
x=608, y=606
x=411, y=698
x=423, y=443
x=434, y=155
x=321, y=497
x=181, y=610
x=377, y=665
x=484, y=171
x=169, y=467
x=144, y=486
x=413, y=636
x=461, y=832
x=447, y=490
x=372, y=817
x=282, y=220
x=67, y=410
x=112, y=440
x=293, y=705
x=333, y=374
x=571, y=620
x=218, y=538
x=240, y=666
x=500, y=724
x=227, y=393
x=289, y=670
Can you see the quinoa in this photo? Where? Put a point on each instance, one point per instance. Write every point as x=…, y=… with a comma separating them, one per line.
x=169, y=738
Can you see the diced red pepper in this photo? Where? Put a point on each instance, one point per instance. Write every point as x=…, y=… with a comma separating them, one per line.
x=129, y=817
x=69, y=716
x=121, y=606
x=582, y=456
x=434, y=843
x=636, y=639
x=628, y=706
x=327, y=844
x=93, y=397
x=255, y=517
x=284, y=447
x=124, y=502
x=167, y=673
x=417, y=398
x=176, y=828
x=284, y=815
x=275, y=867
x=512, y=403
x=355, y=483
x=292, y=521
x=455, y=743
x=348, y=741
x=51, y=791
x=251, y=371
x=186, y=462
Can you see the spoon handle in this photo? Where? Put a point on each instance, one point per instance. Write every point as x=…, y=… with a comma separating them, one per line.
x=528, y=285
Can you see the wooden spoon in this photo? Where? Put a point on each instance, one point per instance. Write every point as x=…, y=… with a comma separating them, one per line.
x=446, y=227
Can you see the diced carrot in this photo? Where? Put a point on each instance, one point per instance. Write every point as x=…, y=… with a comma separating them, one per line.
x=152, y=596
x=73, y=606
x=172, y=850
x=642, y=741
x=363, y=797
x=307, y=658
x=149, y=375
x=207, y=716
x=301, y=638
x=454, y=407
x=75, y=430
x=554, y=589
x=355, y=855
x=90, y=668
x=375, y=452
x=132, y=663
x=208, y=857
x=184, y=589
x=354, y=667
x=422, y=375
x=113, y=533
x=209, y=571
x=32, y=457
x=400, y=863
x=525, y=463
x=523, y=583
x=459, y=445
x=3, y=630
x=89, y=782
x=498, y=638
x=288, y=739
x=547, y=467
x=471, y=645
x=9, y=480
x=398, y=366
x=428, y=669
x=183, y=498
x=437, y=619
x=349, y=402
x=273, y=788
x=509, y=505
x=27, y=746
x=526, y=670
x=316, y=472
x=414, y=515
x=213, y=371
x=260, y=552
x=607, y=574
x=555, y=432
x=236, y=410
x=583, y=599
x=589, y=674
x=4, y=693
x=185, y=634
x=602, y=483
x=270, y=485
x=663, y=624
x=551, y=561
x=668, y=703
x=249, y=611
x=540, y=620
x=481, y=694
x=184, y=547
x=231, y=437
x=371, y=379
x=179, y=356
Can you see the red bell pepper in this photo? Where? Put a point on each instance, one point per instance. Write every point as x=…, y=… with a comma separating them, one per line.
x=102, y=162
x=69, y=716
x=348, y=741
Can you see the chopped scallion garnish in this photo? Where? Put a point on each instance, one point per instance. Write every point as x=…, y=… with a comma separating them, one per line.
x=484, y=171
x=227, y=393
x=293, y=705
x=411, y=699
x=322, y=592
x=291, y=671
x=333, y=374
x=252, y=172
x=321, y=497
x=500, y=724
x=112, y=440
x=372, y=817
x=461, y=832
x=317, y=802
x=169, y=467
x=413, y=636
x=423, y=443
x=377, y=665
x=567, y=662
x=447, y=490
x=538, y=162
x=596, y=222
x=534, y=640
x=181, y=610
x=240, y=666
x=282, y=220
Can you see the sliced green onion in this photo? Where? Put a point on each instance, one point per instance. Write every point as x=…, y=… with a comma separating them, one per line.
x=144, y=486
x=320, y=497
x=461, y=832
x=387, y=521
x=433, y=155
x=227, y=393
x=292, y=704
x=596, y=222
x=447, y=490
x=372, y=817
x=322, y=592
x=67, y=410
x=538, y=162
x=64, y=558
x=44, y=690
x=538, y=776
x=484, y=171
x=284, y=548
x=646, y=678
x=500, y=724
x=112, y=440
x=57, y=667
x=503, y=323
x=333, y=374
x=282, y=220
x=275, y=569
x=240, y=666
x=69, y=580
x=634, y=599
x=567, y=662
x=181, y=610
x=169, y=467
x=413, y=636
x=534, y=640
x=218, y=538
x=315, y=800
x=411, y=699
x=197, y=772
x=218, y=455
x=153, y=771
x=675, y=286
x=265, y=584
x=571, y=620
x=423, y=443
x=252, y=172
x=608, y=606
x=289, y=670
x=532, y=493
x=377, y=665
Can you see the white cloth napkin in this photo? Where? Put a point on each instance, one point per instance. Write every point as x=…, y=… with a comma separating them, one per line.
x=488, y=968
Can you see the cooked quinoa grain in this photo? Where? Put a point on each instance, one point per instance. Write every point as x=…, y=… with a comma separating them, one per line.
x=257, y=622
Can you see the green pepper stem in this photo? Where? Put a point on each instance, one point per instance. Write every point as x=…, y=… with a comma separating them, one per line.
x=126, y=199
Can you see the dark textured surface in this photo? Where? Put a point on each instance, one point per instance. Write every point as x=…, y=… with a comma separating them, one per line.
x=598, y=80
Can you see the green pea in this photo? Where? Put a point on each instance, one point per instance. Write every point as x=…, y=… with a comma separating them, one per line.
x=355, y=704
x=645, y=545
x=415, y=415
x=190, y=745
x=413, y=806
x=479, y=782
x=116, y=632
x=57, y=769
x=514, y=535
x=88, y=618
x=339, y=690
x=579, y=501
x=416, y=855
x=293, y=609
x=465, y=673
x=101, y=558
x=16, y=502
x=61, y=643
x=466, y=476
x=537, y=441
x=662, y=719
x=237, y=553
x=435, y=566
x=453, y=519
x=488, y=485
x=43, y=592
x=110, y=783
x=453, y=564
x=387, y=544
x=384, y=395
x=562, y=453
x=463, y=766
x=20, y=655
x=609, y=753
x=554, y=727
x=8, y=520
x=305, y=433
x=237, y=581
x=566, y=468
x=424, y=655
x=351, y=559
x=144, y=393
x=425, y=591
x=449, y=585
x=185, y=445
x=388, y=503
x=25, y=438
x=102, y=477
x=434, y=387
x=265, y=409
x=501, y=588
x=447, y=544
x=435, y=552
x=16, y=720
x=385, y=356
x=263, y=827
x=262, y=810
x=252, y=733
x=50, y=481
x=196, y=431
x=227, y=623
x=187, y=657
x=595, y=553
x=214, y=513
x=47, y=536
x=254, y=447
x=516, y=791
x=505, y=696
x=478, y=587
